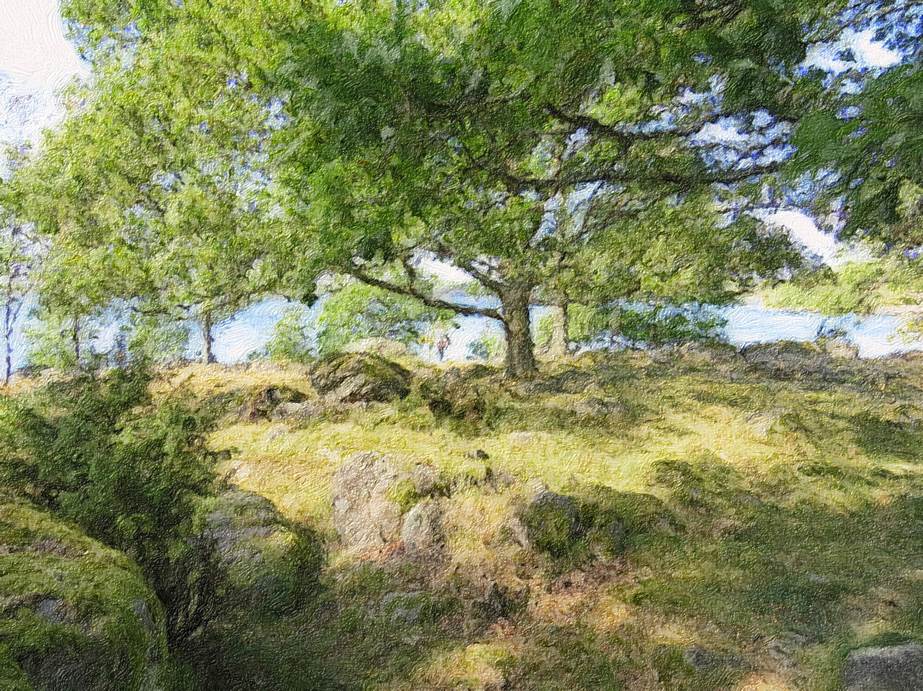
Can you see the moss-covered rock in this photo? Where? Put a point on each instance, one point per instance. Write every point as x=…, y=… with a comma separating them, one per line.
x=361, y=377
x=459, y=393
x=269, y=566
x=259, y=403
x=551, y=521
x=73, y=613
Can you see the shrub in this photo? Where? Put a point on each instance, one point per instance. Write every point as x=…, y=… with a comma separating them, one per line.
x=94, y=451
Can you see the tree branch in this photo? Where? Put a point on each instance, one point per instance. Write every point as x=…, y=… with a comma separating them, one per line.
x=428, y=300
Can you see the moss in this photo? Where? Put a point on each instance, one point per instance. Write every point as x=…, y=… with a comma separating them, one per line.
x=75, y=614
x=404, y=493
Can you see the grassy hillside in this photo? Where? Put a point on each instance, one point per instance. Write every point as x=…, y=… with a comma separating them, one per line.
x=780, y=509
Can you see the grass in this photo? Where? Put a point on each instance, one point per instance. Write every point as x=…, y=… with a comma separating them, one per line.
x=775, y=522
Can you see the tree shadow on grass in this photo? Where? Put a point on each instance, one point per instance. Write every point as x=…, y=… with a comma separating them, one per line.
x=765, y=566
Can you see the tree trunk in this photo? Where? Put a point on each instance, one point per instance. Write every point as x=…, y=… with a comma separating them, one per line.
x=520, y=355
x=558, y=347
x=208, y=355
x=75, y=341
x=7, y=334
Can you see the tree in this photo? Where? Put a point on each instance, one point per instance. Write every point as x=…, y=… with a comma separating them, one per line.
x=146, y=194
x=472, y=132
x=19, y=253
x=515, y=153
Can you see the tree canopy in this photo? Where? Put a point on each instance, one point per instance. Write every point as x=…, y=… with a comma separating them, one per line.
x=553, y=151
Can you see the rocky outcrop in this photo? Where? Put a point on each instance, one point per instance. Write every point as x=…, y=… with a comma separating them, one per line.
x=260, y=403
x=887, y=668
x=458, y=393
x=73, y=613
x=376, y=503
x=360, y=378
x=268, y=565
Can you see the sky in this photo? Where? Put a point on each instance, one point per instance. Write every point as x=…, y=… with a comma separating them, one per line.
x=37, y=61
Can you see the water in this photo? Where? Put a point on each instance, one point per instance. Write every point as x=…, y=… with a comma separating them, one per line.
x=250, y=330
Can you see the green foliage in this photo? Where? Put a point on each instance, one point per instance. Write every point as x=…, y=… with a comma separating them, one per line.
x=488, y=348
x=358, y=311
x=365, y=136
x=854, y=288
x=156, y=339
x=291, y=340
x=91, y=450
x=642, y=325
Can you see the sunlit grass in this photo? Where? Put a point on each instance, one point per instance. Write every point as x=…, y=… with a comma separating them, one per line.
x=796, y=506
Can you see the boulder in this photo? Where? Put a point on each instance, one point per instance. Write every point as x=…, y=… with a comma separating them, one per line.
x=590, y=408
x=261, y=402
x=366, y=500
x=361, y=378
x=551, y=521
x=297, y=411
x=457, y=393
x=73, y=613
x=887, y=668
x=422, y=527
x=376, y=503
x=268, y=564
x=840, y=347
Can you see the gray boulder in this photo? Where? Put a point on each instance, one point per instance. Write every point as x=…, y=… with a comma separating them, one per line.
x=367, y=500
x=268, y=564
x=297, y=411
x=376, y=503
x=888, y=668
x=422, y=527
x=361, y=378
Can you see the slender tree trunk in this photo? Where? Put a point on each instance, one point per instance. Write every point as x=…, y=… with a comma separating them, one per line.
x=208, y=355
x=75, y=340
x=520, y=355
x=558, y=347
x=7, y=333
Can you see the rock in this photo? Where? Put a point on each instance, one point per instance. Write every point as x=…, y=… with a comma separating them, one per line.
x=375, y=503
x=268, y=564
x=888, y=668
x=297, y=412
x=366, y=510
x=598, y=408
x=791, y=360
x=840, y=347
x=457, y=393
x=551, y=522
x=762, y=423
x=404, y=609
x=422, y=527
x=478, y=455
x=74, y=614
x=426, y=479
x=361, y=377
x=260, y=402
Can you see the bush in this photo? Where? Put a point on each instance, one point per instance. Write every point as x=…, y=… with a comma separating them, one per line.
x=291, y=340
x=94, y=451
